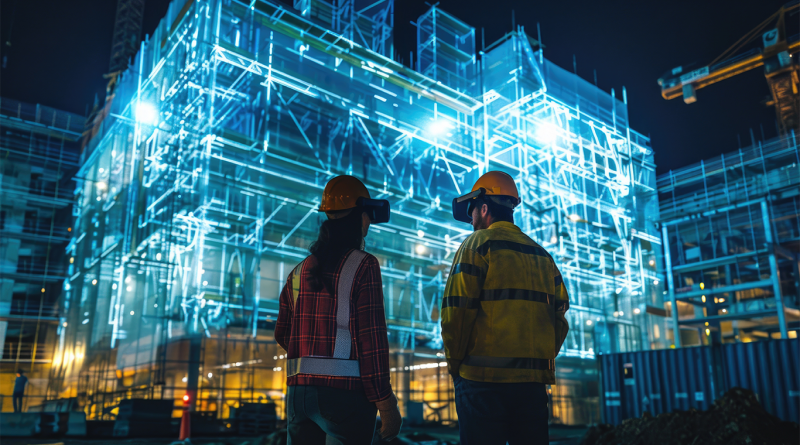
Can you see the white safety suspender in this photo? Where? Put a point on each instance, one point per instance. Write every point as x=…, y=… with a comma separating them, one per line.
x=340, y=364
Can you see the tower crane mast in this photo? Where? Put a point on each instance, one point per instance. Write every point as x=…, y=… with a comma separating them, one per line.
x=127, y=33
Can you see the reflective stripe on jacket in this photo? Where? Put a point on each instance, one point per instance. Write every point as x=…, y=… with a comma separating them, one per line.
x=503, y=308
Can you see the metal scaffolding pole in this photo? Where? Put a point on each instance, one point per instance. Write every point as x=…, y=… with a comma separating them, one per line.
x=773, y=268
x=676, y=329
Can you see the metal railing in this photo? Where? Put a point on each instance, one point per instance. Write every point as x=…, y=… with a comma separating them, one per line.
x=46, y=116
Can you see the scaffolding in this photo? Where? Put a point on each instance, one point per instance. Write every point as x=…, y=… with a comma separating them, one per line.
x=732, y=225
x=198, y=194
x=38, y=156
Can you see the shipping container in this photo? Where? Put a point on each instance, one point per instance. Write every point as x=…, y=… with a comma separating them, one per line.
x=771, y=369
x=678, y=379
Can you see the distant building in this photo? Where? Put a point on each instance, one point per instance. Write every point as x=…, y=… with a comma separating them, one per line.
x=731, y=231
x=39, y=152
x=198, y=194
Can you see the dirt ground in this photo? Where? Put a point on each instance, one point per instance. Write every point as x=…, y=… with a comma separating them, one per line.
x=737, y=418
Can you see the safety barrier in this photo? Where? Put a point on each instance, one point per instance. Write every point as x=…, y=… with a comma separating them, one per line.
x=42, y=424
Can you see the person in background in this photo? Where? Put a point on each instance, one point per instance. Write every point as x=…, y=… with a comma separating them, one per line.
x=332, y=323
x=19, y=390
x=503, y=321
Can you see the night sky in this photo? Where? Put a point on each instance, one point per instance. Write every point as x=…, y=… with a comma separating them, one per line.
x=60, y=50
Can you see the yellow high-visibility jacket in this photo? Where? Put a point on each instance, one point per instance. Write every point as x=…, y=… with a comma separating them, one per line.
x=503, y=308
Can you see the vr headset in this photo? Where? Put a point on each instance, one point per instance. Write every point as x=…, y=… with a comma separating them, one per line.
x=377, y=209
x=461, y=205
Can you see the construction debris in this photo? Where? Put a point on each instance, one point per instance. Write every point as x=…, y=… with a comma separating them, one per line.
x=737, y=418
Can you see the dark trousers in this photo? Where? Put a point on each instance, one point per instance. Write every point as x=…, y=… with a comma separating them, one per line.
x=500, y=413
x=318, y=412
x=17, y=401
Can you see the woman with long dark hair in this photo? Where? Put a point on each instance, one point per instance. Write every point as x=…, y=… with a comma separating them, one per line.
x=332, y=324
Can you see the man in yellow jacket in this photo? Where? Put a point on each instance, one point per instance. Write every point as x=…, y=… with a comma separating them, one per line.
x=503, y=320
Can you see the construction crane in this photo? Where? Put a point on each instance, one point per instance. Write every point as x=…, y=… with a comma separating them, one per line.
x=778, y=55
x=127, y=33
x=124, y=46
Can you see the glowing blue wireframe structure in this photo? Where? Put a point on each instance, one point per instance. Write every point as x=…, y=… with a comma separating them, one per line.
x=199, y=193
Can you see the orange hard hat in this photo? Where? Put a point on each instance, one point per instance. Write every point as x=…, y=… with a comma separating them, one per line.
x=347, y=192
x=494, y=183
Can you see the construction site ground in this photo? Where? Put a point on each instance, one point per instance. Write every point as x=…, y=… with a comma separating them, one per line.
x=560, y=435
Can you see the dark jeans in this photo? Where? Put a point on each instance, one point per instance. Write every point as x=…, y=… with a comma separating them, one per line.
x=17, y=401
x=496, y=413
x=316, y=412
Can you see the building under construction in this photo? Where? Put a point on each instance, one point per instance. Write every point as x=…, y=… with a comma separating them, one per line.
x=732, y=224
x=39, y=153
x=198, y=194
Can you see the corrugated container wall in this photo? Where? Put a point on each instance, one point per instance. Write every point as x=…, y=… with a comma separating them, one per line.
x=678, y=379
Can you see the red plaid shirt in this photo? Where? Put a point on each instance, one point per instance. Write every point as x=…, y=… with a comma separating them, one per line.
x=309, y=329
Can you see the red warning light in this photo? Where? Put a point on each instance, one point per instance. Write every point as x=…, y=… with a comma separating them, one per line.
x=185, y=398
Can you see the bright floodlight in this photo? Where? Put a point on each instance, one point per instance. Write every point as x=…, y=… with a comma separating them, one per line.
x=420, y=249
x=146, y=113
x=546, y=133
x=438, y=127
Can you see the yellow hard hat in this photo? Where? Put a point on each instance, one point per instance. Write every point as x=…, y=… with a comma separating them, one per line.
x=348, y=192
x=494, y=183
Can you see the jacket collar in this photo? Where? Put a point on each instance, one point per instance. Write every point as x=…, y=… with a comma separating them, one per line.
x=504, y=225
